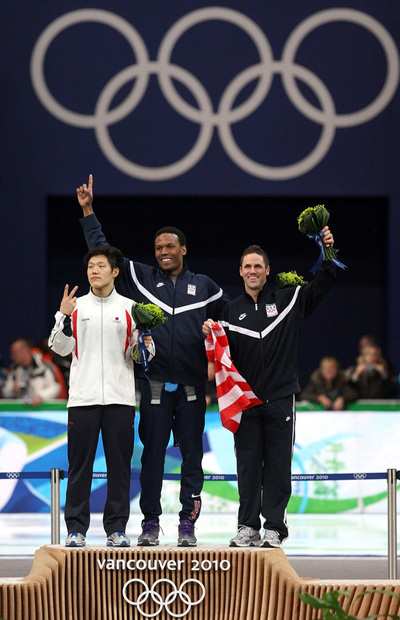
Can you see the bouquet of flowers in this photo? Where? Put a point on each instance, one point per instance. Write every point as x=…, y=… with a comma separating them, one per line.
x=146, y=317
x=311, y=221
x=290, y=278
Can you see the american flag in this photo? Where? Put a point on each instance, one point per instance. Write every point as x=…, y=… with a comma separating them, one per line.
x=233, y=393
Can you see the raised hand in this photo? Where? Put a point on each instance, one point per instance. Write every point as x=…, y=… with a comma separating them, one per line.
x=327, y=237
x=68, y=301
x=84, y=193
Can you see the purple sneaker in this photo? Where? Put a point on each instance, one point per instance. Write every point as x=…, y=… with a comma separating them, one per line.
x=186, y=537
x=150, y=533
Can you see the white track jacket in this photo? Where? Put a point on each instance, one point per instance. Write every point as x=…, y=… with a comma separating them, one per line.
x=103, y=335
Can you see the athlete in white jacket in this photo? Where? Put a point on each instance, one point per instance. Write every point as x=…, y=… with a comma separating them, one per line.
x=99, y=331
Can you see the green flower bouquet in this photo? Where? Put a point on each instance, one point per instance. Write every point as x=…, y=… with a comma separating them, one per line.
x=146, y=317
x=290, y=278
x=311, y=221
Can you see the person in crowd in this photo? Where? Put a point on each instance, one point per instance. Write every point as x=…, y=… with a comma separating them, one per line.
x=263, y=328
x=173, y=393
x=61, y=365
x=29, y=378
x=329, y=386
x=49, y=358
x=98, y=330
x=3, y=375
x=367, y=340
x=370, y=376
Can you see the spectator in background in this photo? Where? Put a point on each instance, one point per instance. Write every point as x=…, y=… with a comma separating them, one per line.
x=329, y=386
x=366, y=341
x=29, y=378
x=370, y=376
x=59, y=365
x=3, y=376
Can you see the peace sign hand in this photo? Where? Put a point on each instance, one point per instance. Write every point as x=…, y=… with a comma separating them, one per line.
x=84, y=193
x=68, y=301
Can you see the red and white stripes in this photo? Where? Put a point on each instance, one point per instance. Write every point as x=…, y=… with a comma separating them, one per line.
x=233, y=393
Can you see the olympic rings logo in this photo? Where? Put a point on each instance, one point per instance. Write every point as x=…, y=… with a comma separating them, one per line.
x=359, y=476
x=157, y=598
x=13, y=475
x=226, y=113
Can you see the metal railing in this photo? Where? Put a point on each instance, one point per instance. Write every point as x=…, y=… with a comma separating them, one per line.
x=391, y=476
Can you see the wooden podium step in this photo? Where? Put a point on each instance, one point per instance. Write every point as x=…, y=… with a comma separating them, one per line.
x=97, y=583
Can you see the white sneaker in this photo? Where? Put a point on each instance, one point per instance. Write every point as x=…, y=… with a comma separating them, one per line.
x=75, y=539
x=118, y=539
x=246, y=537
x=270, y=539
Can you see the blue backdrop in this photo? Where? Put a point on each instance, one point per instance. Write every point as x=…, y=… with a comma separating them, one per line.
x=170, y=98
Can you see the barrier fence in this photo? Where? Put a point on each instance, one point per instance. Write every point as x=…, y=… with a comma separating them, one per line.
x=391, y=476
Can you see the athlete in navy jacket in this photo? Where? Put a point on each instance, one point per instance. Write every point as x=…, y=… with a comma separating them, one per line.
x=263, y=328
x=173, y=393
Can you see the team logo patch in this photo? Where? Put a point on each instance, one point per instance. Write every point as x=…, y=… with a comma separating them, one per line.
x=271, y=310
x=241, y=317
x=160, y=284
x=191, y=289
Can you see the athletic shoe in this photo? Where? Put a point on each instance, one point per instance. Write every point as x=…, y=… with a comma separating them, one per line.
x=271, y=539
x=246, y=537
x=75, y=539
x=118, y=539
x=186, y=537
x=150, y=533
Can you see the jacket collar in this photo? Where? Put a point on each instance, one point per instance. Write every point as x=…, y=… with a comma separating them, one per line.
x=103, y=300
x=266, y=290
x=183, y=274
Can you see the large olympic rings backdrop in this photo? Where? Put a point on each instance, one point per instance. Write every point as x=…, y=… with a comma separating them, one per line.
x=226, y=114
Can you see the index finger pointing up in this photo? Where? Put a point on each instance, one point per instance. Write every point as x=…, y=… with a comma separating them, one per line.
x=72, y=293
x=90, y=183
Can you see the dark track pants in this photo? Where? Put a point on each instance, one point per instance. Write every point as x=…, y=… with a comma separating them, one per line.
x=264, y=446
x=84, y=425
x=156, y=422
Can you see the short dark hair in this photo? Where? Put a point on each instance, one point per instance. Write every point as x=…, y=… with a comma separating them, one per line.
x=255, y=249
x=173, y=231
x=113, y=255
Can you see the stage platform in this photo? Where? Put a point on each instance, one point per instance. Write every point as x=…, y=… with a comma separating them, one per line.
x=327, y=546
x=208, y=583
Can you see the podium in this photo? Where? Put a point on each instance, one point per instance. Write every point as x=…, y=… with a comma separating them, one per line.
x=210, y=583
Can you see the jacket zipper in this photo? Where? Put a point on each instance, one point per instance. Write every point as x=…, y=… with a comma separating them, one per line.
x=261, y=342
x=174, y=284
x=102, y=352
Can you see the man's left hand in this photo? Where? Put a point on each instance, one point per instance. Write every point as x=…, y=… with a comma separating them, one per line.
x=206, y=328
x=327, y=237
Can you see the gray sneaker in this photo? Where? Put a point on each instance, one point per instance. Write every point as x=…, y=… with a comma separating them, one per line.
x=271, y=539
x=186, y=537
x=118, y=539
x=75, y=539
x=150, y=533
x=246, y=537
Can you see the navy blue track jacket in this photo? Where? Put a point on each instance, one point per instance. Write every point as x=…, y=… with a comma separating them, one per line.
x=264, y=336
x=180, y=353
